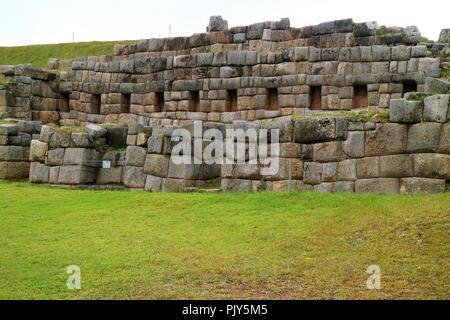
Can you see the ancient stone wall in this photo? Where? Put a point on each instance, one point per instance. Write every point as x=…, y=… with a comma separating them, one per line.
x=408, y=154
x=15, y=139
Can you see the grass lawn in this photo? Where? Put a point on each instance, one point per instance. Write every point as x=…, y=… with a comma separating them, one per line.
x=38, y=55
x=221, y=246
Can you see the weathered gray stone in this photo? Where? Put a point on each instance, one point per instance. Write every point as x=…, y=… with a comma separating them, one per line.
x=436, y=107
x=324, y=188
x=367, y=168
x=378, y=186
x=153, y=184
x=405, y=111
x=14, y=170
x=55, y=157
x=109, y=176
x=313, y=173
x=328, y=151
x=436, y=85
x=285, y=127
x=134, y=177
x=422, y=185
x=344, y=187
x=353, y=147
x=396, y=166
x=135, y=156
x=236, y=185
x=96, y=131
x=444, y=142
x=157, y=165
x=217, y=23
x=347, y=170
x=11, y=153
x=53, y=175
x=38, y=151
x=329, y=172
x=388, y=138
x=9, y=129
x=174, y=185
x=82, y=157
x=432, y=165
x=60, y=139
x=424, y=137
x=315, y=130
x=39, y=173
x=255, y=31
x=46, y=133
x=80, y=140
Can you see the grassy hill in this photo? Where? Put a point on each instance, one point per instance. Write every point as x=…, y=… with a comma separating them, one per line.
x=221, y=246
x=38, y=55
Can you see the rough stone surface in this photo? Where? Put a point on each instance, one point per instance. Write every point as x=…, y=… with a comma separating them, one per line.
x=157, y=165
x=422, y=185
x=389, y=138
x=14, y=170
x=134, y=177
x=432, y=165
x=378, y=186
x=135, y=156
x=38, y=150
x=397, y=166
x=39, y=173
x=404, y=111
x=436, y=107
x=424, y=137
x=153, y=184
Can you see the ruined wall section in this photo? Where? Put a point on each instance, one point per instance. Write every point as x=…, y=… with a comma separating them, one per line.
x=241, y=85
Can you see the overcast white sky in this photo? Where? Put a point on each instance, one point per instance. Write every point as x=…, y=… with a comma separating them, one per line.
x=25, y=22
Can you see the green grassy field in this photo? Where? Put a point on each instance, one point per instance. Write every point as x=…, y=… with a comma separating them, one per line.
x=38, y=55
x=221, y=246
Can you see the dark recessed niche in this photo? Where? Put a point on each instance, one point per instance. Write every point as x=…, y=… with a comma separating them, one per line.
x=194, y=102
x=232, y=101
x=125, y=103
x=360, y=99
x=272, y=99
x=315, y=96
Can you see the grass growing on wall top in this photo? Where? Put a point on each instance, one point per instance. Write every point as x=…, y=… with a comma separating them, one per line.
x=221, y=246
x=39, y=55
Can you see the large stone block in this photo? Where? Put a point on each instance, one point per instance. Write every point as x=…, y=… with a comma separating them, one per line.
x=236, y=185
x=81, y=140
x=397, y=166
x=328, y=151
x=157, y=165
x=387, y=139
x=9, y=129
x=11, y=153
x=285, y=127
x=14, y=170
x=436, y=107
x=422, y=185
x=174, y=185
x=405, y=111
x=153, y=184
x=312, y=173
x=82, y=157
x=315, y=130
x=378, y=186
x=53, y=175
x=46, y=133
x=134, y=177
x=155, y=144
x=424, y=137
x=110, y=176
x=135, y=157
x=432, y=165
x=55, y=157
x=329, y=172
x=60, y=139
x=96, y=131
x=39, y=173
x=73, y=175
x=344, y=187
x=353, y=147
x=444, y=142
x=38, y=150
x=347, y=170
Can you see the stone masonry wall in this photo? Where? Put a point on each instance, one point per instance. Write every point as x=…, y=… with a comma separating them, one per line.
x=409, y=154
x=15, y=139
